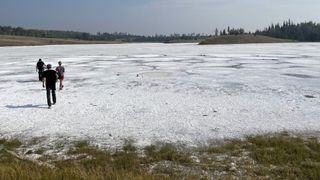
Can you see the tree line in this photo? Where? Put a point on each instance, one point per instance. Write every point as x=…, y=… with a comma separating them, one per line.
x=116, y=36
x=304, y=32
x=229, y=31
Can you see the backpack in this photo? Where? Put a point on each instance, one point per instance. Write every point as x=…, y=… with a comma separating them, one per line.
x=40, y=65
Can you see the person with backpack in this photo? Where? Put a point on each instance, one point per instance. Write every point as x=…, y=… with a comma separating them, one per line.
x=40, y=68
x=60, y=71
x=50, y=77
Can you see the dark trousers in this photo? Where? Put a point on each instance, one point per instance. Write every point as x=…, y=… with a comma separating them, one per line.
x=53, y=96
x=40, y=71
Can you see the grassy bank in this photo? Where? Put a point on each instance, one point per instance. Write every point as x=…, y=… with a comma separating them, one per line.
x=32, y=41
x=242, y=39
x=265, y=157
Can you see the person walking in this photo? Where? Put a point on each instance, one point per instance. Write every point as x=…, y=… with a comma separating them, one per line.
x=60, y=70
x=40, y=68
x=50, y=78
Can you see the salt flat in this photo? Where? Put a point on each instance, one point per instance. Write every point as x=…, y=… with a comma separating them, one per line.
x=177, y=93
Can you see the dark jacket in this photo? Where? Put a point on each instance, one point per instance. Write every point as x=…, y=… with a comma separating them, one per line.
x=51, y=78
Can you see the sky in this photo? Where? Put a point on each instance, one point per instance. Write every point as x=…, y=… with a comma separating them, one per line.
x=149, y=17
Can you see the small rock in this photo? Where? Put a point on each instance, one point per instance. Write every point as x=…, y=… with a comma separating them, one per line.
x=29, y=152
x=205, y=115
x=309, y=96
x=195, y=159
x=110, y=135
x=137, y=75
x=233, y=168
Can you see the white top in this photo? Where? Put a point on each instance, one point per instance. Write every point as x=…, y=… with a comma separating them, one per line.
x=60, y=70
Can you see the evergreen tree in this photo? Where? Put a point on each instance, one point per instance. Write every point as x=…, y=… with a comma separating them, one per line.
x=224, y=32
x=216, y=32
x=304, y=32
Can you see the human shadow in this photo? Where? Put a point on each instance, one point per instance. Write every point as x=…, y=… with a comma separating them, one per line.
x=25, y=106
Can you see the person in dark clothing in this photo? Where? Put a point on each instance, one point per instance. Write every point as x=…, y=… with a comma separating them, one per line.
x=50, y=76
x=40, y=68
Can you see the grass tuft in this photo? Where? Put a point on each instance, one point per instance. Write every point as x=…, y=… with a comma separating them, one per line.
x=10, y=144
x=167, y=152
x=280, y=156
x=293, y=157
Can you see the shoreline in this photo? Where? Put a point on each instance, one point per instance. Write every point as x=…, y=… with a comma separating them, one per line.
x=244, y=39
x=15, y=41
x=18, y=41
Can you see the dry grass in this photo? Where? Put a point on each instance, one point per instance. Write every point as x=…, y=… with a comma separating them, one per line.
x=242, y=39
x=33, y=41
x=258, y=157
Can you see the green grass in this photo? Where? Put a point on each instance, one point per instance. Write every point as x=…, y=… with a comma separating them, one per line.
x=293, y=157
x=10, y=144
x=279, y=156
x=167, y=152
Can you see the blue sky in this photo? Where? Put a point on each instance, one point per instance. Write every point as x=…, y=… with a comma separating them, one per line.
x=154, y=16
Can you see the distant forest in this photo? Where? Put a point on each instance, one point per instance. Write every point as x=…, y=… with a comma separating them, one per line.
x=304, y=32
x=125, y=37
